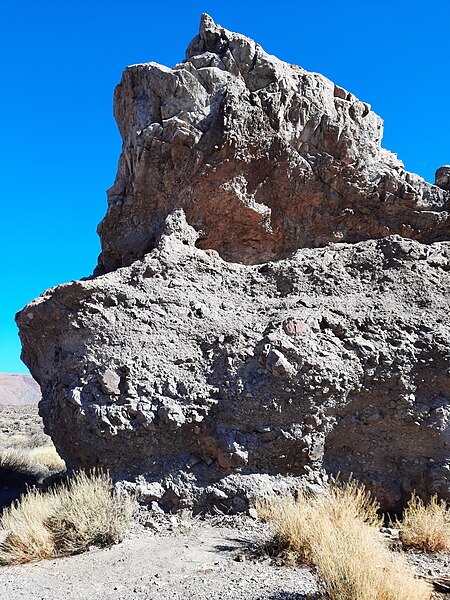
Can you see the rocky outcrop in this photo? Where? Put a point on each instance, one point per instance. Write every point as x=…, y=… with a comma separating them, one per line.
x=442, y=178
x=271, y=301
x=262, y=156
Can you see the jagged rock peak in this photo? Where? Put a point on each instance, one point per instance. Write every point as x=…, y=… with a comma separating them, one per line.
x=213, y=38
x=263, y=157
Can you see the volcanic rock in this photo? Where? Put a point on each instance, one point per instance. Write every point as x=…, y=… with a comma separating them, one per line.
x=442, y=177
x=263, y=157
x=271, y=301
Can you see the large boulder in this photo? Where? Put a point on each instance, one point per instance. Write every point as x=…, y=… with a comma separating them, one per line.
x=259, y=317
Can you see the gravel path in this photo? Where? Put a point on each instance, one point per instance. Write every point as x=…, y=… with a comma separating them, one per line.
x=205, y=564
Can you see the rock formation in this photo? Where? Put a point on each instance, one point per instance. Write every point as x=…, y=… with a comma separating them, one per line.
x=285, y=157
x=442, y=178
x=271, y=301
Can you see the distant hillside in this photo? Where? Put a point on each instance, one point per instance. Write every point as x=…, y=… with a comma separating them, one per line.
x=18, y=389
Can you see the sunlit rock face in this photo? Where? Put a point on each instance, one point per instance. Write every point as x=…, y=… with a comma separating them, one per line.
x=263, y=157
x=271, y=301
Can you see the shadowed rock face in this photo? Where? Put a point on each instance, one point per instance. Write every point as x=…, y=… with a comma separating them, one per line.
x=442, y=177
x=271, y=321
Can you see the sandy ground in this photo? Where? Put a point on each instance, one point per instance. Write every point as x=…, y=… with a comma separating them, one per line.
x=204, y=564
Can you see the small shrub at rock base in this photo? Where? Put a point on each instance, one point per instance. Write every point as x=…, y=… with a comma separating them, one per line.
x=23, y=534
x=48, y=457
x=66, y=519
x=14, y=460
x=89, y=513
x=425, y=526
x=338, y=532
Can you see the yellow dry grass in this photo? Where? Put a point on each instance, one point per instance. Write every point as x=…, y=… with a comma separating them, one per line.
x=26, y=536
x=89, y=513
x=425, y=526
x=17, y=439
x=339, y=533
x=48, y=457
x=42, y=459
x=19, y=460
x=66, y=519
x=41, y=462
x=25, y=450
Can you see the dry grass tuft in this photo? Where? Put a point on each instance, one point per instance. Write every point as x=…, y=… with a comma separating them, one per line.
x=48, y=457
x=26, y=452
x=66, y=519
x=18, y=440
x=26, y=442
x=26, y=536
x=39, y=463
x=19, y=461
x=89, y=514
x=425, y=526
x=339, y=533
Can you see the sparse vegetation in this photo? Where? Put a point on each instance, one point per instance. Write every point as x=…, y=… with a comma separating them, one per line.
x=338, y=532
x=66, y=519
x=425, y=526
x=20, y=462
x=48, y=457
x=26, y=538
x=27, y=455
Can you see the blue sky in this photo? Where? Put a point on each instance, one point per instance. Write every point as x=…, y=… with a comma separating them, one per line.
x=60, y=61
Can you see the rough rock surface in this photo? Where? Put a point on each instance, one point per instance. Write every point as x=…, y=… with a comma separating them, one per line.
x=259, y=316
x=264, y=158
x=442, y=178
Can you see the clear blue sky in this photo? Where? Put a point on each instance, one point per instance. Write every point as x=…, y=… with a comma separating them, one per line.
x=61, y=59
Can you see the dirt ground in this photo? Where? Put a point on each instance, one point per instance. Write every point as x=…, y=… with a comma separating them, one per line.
x=194, y=561
x=204, y=563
